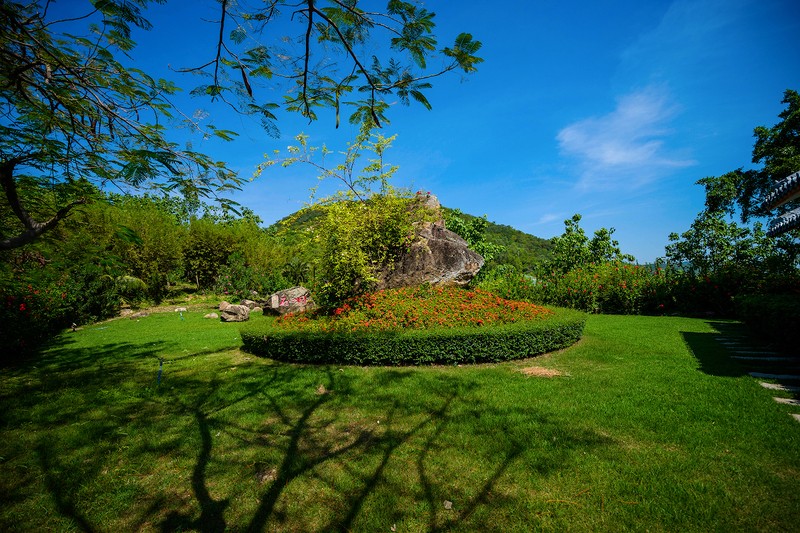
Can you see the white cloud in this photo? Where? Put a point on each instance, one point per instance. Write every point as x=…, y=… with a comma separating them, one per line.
x=548, y=217
x=692, y=35
x=627, y=145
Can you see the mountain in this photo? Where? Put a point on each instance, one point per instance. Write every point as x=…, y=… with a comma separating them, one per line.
x=521, y=249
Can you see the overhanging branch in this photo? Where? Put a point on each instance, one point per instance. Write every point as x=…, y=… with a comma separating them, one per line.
x=33, y=228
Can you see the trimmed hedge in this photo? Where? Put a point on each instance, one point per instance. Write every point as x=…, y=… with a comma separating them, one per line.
x=773, y=317
x=417, y=346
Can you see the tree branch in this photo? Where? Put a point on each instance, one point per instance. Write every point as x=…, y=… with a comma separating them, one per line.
x=32, y=227
x=353, y=56
x=309, y=29
x=219, y=42
x=364, y=16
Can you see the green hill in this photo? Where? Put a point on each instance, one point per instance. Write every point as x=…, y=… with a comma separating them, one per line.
x=521, y=249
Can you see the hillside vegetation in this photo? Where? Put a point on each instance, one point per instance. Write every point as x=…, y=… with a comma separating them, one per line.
x=522, y=250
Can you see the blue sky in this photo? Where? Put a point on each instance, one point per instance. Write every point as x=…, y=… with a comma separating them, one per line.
x=608, y=109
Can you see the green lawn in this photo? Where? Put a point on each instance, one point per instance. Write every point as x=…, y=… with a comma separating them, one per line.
x=650, y=427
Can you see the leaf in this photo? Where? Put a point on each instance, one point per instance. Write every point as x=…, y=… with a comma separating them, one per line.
x=238, y=35
x=227, y=135
x=419, y=97
x=128, y=235
x=464, y=51
x=246, y=83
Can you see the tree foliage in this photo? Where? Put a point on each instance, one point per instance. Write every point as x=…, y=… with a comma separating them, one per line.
x=573, y=249
x=356, y=183
x=713, y=244
x=472, y=230
x=330, y=60
x=777, y=151
x=365, y=224
x=357, y=240
x=69, y=110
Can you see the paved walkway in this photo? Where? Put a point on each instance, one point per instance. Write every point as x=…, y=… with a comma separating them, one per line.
x=781, y=369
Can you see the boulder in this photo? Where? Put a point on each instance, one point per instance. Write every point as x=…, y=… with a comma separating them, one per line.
x=211, y=315
x=249, y=303
x=294, y=300
x=235, y=313
x=436, y=256
x=224, y=305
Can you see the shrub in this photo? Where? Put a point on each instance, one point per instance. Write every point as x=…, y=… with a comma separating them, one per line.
x=424, y=325
x=416, y=346
x=36, y=306
x=610, y=287
x=30, y=315
x=773, y=317
x=206, y=251
x=422, y=307
x=359, y=237
x=239, y=280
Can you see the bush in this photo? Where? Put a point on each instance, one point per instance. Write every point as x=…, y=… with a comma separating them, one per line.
x=206, y=251
x=30, y=315
x=776, y=318
x=611, y=287
x=422, y=307
x=424, y=325
x=238, y=280
x=35, y=307
x=359, y=237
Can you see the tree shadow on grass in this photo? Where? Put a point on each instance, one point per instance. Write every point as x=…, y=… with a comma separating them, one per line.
x=712, y=355
x=58, y=488
x=310, y=430
x=57, y=407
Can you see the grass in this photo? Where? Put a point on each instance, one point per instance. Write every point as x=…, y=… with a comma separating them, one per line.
x=649, y=427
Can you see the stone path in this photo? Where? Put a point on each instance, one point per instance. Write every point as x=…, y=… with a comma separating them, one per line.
x=775, y=359
x=778, y=386
x=788, y=401
x=779, y=377
x=767, y=364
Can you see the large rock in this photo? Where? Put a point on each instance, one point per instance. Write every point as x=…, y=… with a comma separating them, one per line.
x=294, y=300
x=235, y=313
x=437, y=256
x=249, y=303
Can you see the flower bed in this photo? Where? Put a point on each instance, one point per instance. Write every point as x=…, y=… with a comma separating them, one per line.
x=417, y=326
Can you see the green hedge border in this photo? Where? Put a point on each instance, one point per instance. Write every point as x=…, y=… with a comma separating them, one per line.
x=417, y=347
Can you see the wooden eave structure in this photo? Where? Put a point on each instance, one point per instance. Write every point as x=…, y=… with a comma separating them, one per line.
x=785, y=191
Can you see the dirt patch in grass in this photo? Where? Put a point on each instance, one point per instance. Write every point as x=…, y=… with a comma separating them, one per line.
x=540, y=372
